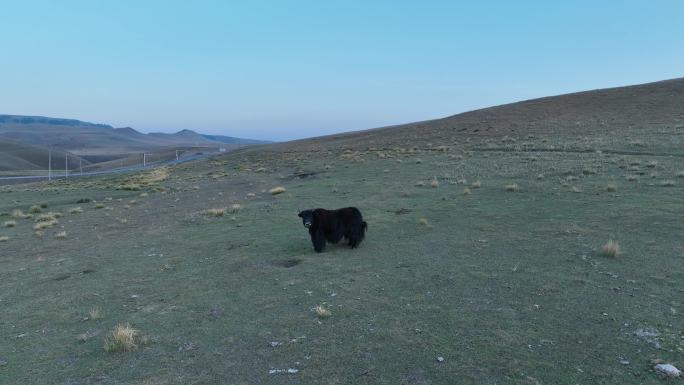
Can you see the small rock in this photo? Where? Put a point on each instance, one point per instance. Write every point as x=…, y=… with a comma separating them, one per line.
x=440, y=359
x=281, y=371
x=668, y=369
x=187, y=347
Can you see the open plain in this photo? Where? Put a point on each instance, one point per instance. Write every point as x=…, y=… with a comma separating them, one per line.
x=483, y=261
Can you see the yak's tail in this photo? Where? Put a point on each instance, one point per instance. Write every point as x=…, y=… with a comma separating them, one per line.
x=364, y=226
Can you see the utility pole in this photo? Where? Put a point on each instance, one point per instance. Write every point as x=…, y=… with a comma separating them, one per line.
x=145, y=159
x=80, y=165
x=66, y=164
x=176, y=155
x=49, y=165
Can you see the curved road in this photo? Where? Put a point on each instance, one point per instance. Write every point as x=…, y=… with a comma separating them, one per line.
x=32, y=178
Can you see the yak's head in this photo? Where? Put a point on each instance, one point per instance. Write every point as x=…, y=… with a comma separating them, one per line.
x=307, y=218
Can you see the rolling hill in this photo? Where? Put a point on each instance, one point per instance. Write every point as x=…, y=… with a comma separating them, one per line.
x=620, y=109
x=94, y=142
x=19, y=156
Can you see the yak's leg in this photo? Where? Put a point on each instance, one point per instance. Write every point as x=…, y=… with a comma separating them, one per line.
x=318, y=240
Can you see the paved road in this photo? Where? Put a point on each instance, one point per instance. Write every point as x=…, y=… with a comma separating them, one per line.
x=4, y=180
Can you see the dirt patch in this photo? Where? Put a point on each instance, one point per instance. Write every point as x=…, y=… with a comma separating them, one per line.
x=287, y=263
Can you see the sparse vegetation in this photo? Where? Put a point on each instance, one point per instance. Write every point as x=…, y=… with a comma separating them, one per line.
x=42, y=225
x=612, y=187
x=4, y=238
x=16, y=213
x=668, y=183
x=35, y=209
x=100, y=206
x=75, y=210
x=215, y=212
x=322, y=312
x=513, y=187
x=9, y=224
x=610, y=249
x=276, y=190
x=94, y=314
x=476, y=184
x=122, y=339
x=61, y=235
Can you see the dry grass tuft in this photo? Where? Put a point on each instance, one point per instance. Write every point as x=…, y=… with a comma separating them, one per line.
x=668, y=183
x=679, y=174
x=94, y=314
x=100, y=206
x=9, y=224
x=476, y=184
x=121, y=339
x=576, y=189
x=130, y=187
x=277, y=190
x=466, y=191
x=322, y=312
x=47, y=217
x=632, y=178
x=216, y=212
x=434, y=183
x=612, y=187
x=513, y=187
x=610, y=249
x=234, y=208
x=44, y=224
x=4, y=239
x=61, y=235
x=423, y=222
x=35, y=209
x=16, y=213
x=76, y=210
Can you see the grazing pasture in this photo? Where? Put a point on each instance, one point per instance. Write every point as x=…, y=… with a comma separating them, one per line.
x=202, y=274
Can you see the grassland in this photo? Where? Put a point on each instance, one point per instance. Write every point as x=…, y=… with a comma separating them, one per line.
x=508, y=287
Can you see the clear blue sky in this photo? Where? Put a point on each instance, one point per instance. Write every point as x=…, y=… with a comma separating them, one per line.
x=286, y=69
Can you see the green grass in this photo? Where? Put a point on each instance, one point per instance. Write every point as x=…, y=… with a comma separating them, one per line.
x=509, y=288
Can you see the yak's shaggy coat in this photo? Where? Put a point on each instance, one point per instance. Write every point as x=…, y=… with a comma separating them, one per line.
x=333, y=225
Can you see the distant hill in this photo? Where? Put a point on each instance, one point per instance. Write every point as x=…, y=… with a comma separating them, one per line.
x=233, y=140
x=96, y=142
x=19, y=156
x=20, y=119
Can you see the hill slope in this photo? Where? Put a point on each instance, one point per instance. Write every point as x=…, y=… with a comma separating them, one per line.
x=621, y=109
x=19, y=156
